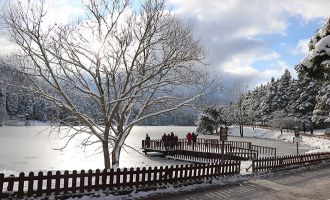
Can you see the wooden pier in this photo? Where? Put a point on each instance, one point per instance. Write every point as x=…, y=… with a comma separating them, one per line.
x=207, y=151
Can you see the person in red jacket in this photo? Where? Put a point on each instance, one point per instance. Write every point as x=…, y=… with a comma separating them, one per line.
x=189, y=138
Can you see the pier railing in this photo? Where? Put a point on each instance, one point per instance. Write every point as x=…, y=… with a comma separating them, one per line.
x=184, y=145
x=70, y=183
x=237, y=148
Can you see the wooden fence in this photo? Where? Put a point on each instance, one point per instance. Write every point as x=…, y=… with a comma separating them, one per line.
x=183, y=145
x=244, y=154
x=265, y=151
x=70, y=183
x=280, y=162
x=238, y=144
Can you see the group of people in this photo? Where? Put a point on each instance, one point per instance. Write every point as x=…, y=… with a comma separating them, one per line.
x=170, y=140
x=191, y=137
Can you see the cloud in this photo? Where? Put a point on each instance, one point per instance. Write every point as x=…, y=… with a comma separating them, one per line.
x=231, y=31
x=59, y=11
x=301, y=47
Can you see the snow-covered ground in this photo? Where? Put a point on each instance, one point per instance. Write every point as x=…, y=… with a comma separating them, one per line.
x=318, y=144
x=255, y=135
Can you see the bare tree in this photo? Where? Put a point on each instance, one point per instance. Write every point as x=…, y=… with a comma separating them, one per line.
x=237, y=110
x=131, y=64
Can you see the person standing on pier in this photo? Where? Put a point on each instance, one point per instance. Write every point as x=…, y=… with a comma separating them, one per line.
x=147, y=141
x=189, y=138
x=194, y=139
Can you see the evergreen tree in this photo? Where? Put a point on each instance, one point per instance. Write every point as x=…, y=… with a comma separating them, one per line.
x=210, y=120
x=282, y=96
x=321, y=116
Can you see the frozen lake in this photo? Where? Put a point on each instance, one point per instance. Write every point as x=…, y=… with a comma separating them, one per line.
x=24, y=148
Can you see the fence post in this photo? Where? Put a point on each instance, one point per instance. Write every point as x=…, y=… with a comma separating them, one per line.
x=66, y=182
x=10, y=186
x=57, y=182
x=137, y=178
x=118, y=183
x=104, y=179
x=49, y=183
x=74, y=181
x=89, y=180
x=131, y=173
x=97, y=180
x=2, y=177
x=40, y=179
x=30, y=184
x=82, y=181
x=111, y=175
x=21, y=185
x=125, y=177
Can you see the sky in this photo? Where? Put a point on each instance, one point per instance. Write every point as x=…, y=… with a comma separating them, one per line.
x=245, y=40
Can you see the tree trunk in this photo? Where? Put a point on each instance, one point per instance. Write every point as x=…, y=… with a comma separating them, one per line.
x=115, y=155
x=106, y=154
x=241, y=130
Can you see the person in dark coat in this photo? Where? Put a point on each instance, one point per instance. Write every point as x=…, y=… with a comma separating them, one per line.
x=147, y=141
x=194, y=137
x=171, y=139
x=164, y=139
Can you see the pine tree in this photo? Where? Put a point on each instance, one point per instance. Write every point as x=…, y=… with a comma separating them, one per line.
x=282, y=96
x=321, y=116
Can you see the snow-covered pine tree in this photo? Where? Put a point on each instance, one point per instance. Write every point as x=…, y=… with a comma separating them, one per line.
x=12, y=99
x=210, y=120
x=282, y=96
x=321, y=116
x=317, y=63
x=304, y=97
x=267, y=105
x=317, y=66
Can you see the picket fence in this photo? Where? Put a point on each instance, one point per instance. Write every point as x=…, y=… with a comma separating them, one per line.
x=281, y=162
x=71, y=183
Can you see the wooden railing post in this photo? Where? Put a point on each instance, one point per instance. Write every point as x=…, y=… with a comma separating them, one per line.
x=10, y=186
x=66, y=182
x=89, y=180
x=74, y=181
x=104, y=179
x=30, y=184
x=57, y=182
x=2, y=177
x=49, y=183
x=20, y=191
x=82, y=181
x=97, y=180
x=40, y=180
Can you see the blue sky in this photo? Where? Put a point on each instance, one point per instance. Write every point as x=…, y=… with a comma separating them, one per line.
x=286, y=44
x=248, y=42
